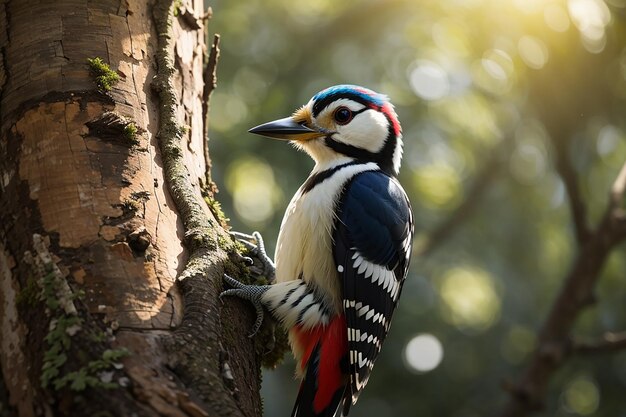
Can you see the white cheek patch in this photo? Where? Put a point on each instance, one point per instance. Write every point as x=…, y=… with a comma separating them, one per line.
x=368, y=130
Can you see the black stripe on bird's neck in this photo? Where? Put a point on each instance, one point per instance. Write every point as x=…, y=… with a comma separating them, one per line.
x=383, y=158
x=389, y=148
x=322, y=176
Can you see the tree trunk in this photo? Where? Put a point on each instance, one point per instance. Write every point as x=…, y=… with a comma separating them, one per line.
x=110, y=258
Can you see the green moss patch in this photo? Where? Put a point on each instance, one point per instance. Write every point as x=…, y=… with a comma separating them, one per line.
x=130, y=133
x=104, y=76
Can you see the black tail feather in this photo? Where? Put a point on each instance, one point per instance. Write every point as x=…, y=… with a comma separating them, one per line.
x=304, y=403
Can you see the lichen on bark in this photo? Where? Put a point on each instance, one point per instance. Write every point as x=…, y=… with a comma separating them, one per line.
x=203, y=340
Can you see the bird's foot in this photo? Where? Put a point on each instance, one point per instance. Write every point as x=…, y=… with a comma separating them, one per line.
x=252, y=293
x=256, y=248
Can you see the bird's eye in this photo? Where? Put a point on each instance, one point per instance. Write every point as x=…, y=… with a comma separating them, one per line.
x=343, y=115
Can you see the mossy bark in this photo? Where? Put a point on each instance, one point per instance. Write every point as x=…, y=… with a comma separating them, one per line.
x=110, y=259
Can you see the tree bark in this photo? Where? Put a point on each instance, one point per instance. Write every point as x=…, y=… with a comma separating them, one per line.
x=110, y=257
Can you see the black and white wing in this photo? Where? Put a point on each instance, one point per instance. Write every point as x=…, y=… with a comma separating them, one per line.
x=372, y=247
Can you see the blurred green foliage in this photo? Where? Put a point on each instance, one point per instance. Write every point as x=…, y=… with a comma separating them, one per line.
x=486, y=90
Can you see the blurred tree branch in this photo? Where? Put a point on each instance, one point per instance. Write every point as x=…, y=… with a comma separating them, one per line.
x=577, y=293
x=610, y=342
x=474, y=195
x=570, y=180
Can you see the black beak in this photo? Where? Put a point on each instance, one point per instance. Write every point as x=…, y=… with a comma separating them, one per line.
x=286, y=129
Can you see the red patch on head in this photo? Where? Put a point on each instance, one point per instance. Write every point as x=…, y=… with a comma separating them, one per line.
x=388, y=111
x=364, y=91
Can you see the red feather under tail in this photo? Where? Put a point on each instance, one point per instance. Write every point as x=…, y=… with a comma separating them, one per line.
x=326, y=377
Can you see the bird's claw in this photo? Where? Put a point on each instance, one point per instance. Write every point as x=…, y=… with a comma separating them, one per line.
x=245, y=259
x=251, y=293
x=268, y=269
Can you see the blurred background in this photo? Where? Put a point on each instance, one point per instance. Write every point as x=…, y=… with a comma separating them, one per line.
x=498, y=99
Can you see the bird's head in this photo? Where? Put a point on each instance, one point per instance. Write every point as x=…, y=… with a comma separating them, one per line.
x=343, y=121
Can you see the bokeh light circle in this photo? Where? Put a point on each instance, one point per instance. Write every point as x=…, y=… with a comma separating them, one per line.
x=423, y=353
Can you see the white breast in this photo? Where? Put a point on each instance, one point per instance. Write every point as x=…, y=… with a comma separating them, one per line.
x=304, y=244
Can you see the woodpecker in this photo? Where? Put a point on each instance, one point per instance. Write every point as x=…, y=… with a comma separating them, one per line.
x=344, y=245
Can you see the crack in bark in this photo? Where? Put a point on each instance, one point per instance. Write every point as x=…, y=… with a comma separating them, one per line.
x=6, y=410
x=132, y=55
x=210, y=83
x=5, y=19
